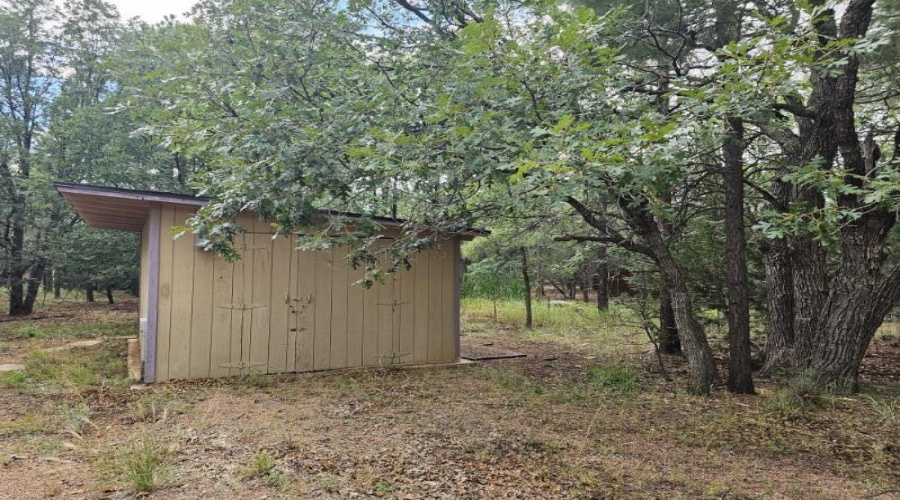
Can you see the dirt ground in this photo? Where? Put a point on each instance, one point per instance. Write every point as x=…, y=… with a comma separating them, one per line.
x=559, y=423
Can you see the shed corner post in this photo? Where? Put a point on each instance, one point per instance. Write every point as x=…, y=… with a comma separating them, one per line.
x=154, y=221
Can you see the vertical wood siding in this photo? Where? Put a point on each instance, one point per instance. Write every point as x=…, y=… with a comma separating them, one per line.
x=281, y=310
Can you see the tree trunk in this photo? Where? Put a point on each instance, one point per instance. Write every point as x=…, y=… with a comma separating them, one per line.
x=35, y=277
x=702, y=373
x=57, y=284
x=669, y=341
x=740, y=372
x=526, y=278
x=17, y=306
x=109, y=295
x=89, y=294
x=810, y=289
x=602, y=281
x=780, y=306
x=859, y=300
x=48, y=279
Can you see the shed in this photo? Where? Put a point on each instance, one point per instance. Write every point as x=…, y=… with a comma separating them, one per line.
x=276, y=309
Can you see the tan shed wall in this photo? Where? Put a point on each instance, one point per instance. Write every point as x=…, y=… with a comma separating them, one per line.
x=281, y=310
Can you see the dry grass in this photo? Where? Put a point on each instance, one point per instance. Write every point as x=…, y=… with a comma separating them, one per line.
x=575, y=419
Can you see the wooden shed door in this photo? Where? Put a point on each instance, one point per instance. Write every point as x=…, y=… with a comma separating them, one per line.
x=302, y=313
x=250, y=304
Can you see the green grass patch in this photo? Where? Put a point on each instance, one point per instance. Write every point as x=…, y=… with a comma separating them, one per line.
x=73, y=330
x=618, y=378
x=573, y=324
x=73, y=370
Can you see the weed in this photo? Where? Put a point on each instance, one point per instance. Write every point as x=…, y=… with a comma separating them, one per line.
x=142, y=465
x=887, y=409
x=15, y=379
x=257, y=380
x=28, y=332
x=384, y=489
x=328, y=482
x=797, y=394
x=262, y=465
x=75, y=419
x=716, y=490
x=28, y=423
x=156, y=406
x=619, y=378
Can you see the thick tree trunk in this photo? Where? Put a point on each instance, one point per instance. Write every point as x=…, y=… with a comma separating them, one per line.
x=89, y=294
x=57, y=285
x=669, y=342
x=740, y=373
x=859, y=300
x=109, y=295
x=526, y=278
x=780, y=306
x=810, y=289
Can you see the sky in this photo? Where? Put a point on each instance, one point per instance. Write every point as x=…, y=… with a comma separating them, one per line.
x=152, y=10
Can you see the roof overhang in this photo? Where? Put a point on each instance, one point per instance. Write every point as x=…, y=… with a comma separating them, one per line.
x=113, y=208
x=127, y=209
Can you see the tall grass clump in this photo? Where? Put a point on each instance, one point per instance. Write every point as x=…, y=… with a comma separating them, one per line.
x=142, y=465
x=797, y=393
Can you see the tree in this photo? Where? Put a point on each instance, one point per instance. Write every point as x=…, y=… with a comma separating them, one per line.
x=28, y=72
x=450, y=113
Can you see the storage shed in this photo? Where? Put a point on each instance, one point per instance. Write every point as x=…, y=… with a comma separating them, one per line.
x=276, y=309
